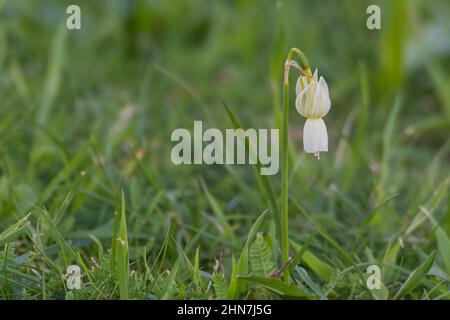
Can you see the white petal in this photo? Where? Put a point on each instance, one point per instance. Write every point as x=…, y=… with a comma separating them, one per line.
x=303, y=99
x=315, y=75
x=297, y=87
x=325, y=97
x=300, y=102
x=322, y=103
x=315, y=137
x=300, y=84
x=324, y=85
x=317, y=103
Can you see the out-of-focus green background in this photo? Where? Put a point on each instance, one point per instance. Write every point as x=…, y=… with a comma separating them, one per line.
x=104, y=100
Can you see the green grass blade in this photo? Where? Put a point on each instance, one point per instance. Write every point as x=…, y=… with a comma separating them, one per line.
x=319, y=267
x=278, y=286
x=233, y=280
x=444, y=247
x=14, y=230
x=116, y=221
x=416, y=276
x=122, y=254
x=303, y=274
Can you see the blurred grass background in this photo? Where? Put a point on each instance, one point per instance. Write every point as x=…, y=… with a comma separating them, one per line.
x=104, y=100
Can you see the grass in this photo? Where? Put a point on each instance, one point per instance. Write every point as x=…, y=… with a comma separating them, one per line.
x=87, y=114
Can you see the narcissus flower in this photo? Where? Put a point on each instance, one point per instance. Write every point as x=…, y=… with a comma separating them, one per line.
x=313, y=102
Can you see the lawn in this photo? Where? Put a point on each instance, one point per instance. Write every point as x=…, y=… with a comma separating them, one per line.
x=87, y=178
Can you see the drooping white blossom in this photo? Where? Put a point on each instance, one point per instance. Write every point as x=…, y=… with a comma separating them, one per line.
x=313, y=102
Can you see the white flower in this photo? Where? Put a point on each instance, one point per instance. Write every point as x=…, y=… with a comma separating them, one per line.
x=313, y=102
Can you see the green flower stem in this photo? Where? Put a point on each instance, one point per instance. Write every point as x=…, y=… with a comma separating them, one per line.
x=304, y=64
x=284, y=181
